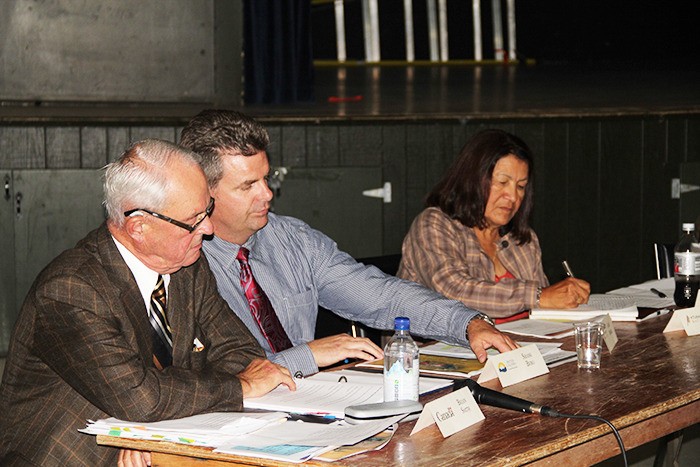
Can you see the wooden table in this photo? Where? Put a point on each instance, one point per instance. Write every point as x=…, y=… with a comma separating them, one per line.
x=648, y=387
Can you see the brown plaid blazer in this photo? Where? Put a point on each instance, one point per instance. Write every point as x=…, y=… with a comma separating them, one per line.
x=81, y=349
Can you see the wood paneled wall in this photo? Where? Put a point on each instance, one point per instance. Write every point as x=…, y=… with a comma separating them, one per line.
x=602, y=189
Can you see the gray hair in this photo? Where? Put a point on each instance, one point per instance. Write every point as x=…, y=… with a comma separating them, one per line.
x=214, y=131
x=138, y=178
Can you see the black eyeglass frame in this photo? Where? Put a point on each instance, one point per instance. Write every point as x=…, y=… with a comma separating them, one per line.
x=190, y=228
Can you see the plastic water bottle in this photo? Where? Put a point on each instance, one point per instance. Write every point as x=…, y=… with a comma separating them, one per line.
x=401, y=364
x=687, y=267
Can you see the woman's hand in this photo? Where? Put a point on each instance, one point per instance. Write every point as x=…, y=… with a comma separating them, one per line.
x=568, y=293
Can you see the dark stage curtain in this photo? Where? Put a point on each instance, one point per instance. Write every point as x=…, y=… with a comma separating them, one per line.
x=278, y=56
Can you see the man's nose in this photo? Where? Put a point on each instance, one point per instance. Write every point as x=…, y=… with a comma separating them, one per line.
x=206, y=227
x=266, y=193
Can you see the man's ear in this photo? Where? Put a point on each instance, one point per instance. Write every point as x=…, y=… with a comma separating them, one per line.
x=134, y=226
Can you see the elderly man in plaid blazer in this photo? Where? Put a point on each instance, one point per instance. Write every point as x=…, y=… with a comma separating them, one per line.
x=84, y=345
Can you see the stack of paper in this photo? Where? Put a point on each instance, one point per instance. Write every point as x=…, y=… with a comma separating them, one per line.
x=537, y=328
x=200, y=430
x=551, y=351
x=263, y=435
x=648, y=294
x=299, y=441
x=620, y=308
x=372, y=443
x=437, y=365
x=328, y=393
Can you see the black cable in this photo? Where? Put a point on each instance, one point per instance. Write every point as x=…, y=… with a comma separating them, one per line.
x=493, y=398
x=554, y=413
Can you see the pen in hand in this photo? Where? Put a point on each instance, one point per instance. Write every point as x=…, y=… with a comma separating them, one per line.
x=658, y=292
x=567, y=269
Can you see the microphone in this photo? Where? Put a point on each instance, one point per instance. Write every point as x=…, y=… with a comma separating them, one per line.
x=505, y=244
x=493, y=398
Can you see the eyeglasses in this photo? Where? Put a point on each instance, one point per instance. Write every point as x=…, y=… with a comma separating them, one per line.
x=190, y=228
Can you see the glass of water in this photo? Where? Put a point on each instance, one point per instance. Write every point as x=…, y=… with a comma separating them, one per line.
x=589, y=344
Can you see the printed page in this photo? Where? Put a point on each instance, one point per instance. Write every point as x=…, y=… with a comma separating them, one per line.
x=620, y=308
x=537, y=328
x=318, y=397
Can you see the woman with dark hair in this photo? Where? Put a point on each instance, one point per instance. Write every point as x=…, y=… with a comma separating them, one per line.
x=473, y=242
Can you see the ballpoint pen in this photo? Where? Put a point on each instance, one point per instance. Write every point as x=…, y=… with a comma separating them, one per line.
x=654, y=314
x=567, y=269
x=658, y=292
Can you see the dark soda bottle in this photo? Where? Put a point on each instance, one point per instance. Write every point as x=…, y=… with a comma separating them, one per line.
x=687, y=267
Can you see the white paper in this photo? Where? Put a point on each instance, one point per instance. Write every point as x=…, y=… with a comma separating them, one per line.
x=318, y=434
x=687, y=319
x=322, y=393
x=515, y=366
x=609, y=334
x=644, y=297
x=280, y=452
x=318, y=397
x=452, y=413
x=425, y=385
x=455, y=351
x=204, y=429
x=620, y=308
x=537, y=328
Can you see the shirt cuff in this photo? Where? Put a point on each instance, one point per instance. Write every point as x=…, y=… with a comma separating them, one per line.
x=297, y=359
x=534, y=291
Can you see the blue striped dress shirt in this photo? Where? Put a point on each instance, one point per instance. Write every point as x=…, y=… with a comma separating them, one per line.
x=299, y=268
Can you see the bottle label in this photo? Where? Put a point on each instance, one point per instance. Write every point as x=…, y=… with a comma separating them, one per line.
x=401, y=384
x=687, y=263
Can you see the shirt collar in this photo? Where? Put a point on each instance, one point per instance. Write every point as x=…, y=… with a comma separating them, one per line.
x=224, y=252
x=145, y=277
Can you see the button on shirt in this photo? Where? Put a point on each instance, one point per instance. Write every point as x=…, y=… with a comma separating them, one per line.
x=299, y=268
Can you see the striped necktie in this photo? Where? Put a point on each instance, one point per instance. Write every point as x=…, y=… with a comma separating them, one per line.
x=162, y=334
x=261, y=308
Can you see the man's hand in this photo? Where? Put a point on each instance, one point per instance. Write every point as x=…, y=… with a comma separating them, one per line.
x=482, y=335
x=262, y=376
x=568, y=293
x=131, y=458
x=332, y=349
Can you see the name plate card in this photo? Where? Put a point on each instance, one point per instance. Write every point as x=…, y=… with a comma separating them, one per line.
x=514, y=366
x=452, y=413
x=609, y=335
x=686, y=318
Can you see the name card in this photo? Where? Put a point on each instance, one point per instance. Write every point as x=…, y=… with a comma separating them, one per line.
x=452, y=413
x=514, y=366
x=686, y=318
x=609, y=335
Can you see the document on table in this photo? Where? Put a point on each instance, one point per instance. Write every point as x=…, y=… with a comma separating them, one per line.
x=267, y=435
x=201, y=430
x=373, y=443
x=620, y=308
x=551, y=351
x=299, y=441
x=537, y=328
x=437, y=365
x=644, y=297
x=328, y=393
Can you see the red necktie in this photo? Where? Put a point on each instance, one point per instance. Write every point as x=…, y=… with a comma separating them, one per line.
x=261, y=308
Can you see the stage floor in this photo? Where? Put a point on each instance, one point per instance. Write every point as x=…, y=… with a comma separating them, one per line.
x=363, y=92
x=494, y=91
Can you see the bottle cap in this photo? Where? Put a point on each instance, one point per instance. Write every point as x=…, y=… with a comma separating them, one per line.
x=401, y=323
x=688, y=226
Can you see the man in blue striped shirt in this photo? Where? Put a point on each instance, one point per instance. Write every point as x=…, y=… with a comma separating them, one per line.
x=300, y=268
